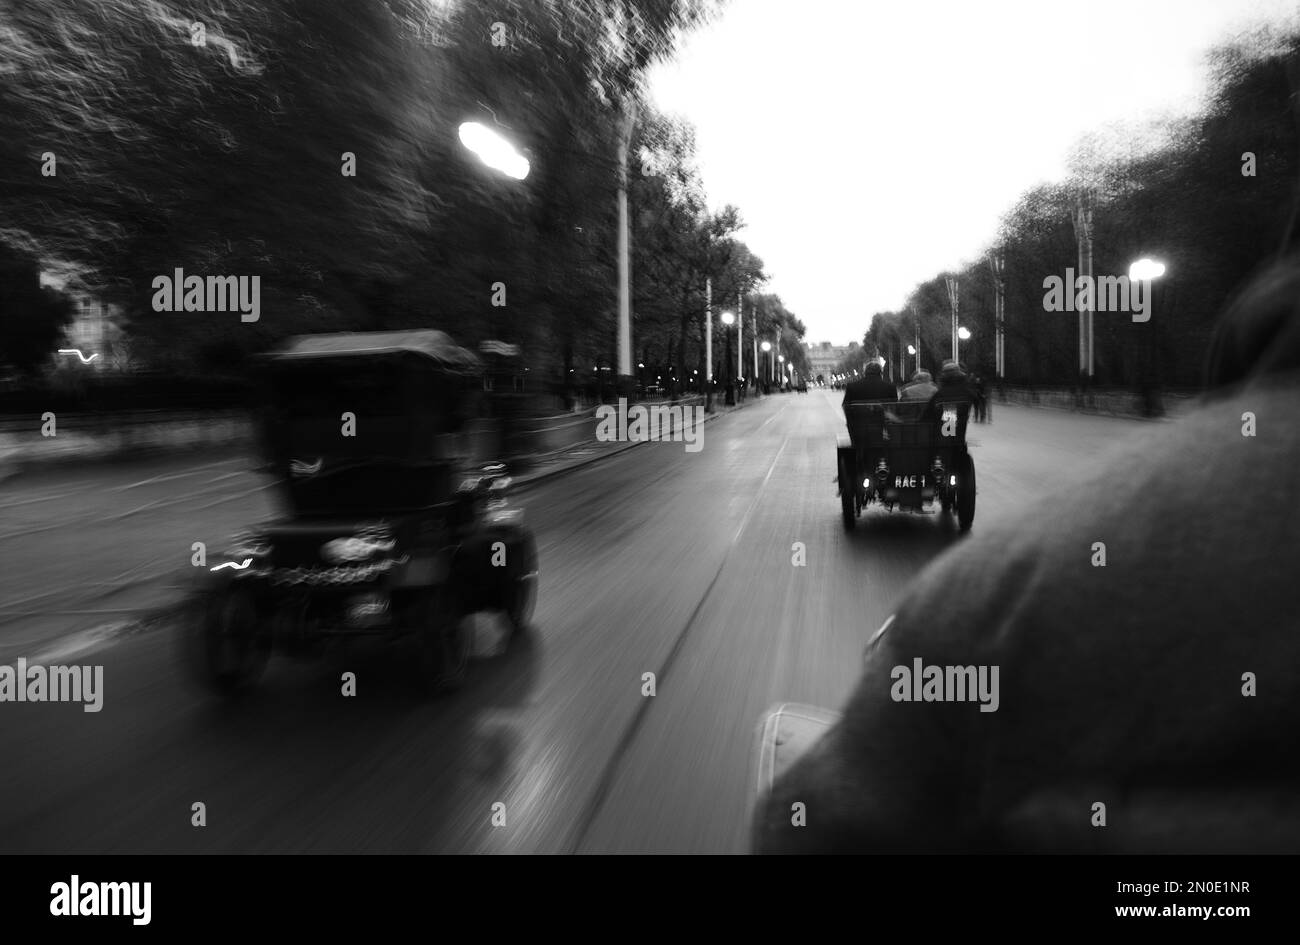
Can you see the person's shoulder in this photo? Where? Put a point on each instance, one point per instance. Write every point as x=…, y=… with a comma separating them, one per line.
x=1148, y=501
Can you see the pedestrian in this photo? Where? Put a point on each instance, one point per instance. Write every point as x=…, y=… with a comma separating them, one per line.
x=981, y=398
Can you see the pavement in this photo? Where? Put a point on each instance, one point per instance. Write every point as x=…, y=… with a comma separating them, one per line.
x=653, y=560
x=541, y=468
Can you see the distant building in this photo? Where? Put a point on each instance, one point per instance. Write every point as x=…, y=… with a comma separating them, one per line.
x=823, y=358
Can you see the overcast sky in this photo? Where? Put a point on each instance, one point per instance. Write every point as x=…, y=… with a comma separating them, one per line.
x=831, y=123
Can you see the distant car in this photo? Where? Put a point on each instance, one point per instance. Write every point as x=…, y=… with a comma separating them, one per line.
x=898, y=455
x=803, y=387
x=380, y=537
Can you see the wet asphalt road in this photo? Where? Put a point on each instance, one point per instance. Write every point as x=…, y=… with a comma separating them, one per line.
x=656, y=560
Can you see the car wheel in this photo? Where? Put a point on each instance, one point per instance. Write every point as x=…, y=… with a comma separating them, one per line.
x=228, y=648
x=965, y=492
x=445, y=640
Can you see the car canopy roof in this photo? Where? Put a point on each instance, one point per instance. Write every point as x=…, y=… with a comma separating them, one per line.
x=437, y=346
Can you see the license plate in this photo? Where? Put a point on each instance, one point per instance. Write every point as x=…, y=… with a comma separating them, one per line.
x=911, y=482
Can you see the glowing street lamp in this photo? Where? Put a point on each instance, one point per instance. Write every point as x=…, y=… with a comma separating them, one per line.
x=493, y=150
x=1147, y=270
x=1144, y=270
x=729, y=319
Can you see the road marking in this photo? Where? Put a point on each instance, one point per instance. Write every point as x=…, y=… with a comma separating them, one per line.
x=775, y=415
x=77, y=644
x=605, y=783
x=758, y=493
x=194, y=471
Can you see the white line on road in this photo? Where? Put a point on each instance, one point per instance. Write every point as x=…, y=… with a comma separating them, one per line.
x=193, y=471
x=774, y=416
x=758, y=493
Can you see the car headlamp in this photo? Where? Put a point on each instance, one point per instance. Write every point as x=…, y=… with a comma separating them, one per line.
x=362, y=545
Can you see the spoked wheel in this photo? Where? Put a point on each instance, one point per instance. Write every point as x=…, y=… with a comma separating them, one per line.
x=522, y=589
x=445, y=640
x=227, y=646
x=965, y=491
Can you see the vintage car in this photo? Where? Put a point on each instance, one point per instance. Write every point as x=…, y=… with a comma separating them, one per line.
x=905, y=456
x=383, y=533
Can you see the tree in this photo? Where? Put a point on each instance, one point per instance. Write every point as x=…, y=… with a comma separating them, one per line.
x=32, y=317
x=315, y=146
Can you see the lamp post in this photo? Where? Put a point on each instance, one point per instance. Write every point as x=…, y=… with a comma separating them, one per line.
x=767, y=351
x=728, y=319
x=954, y=299
x=740, y=337
x=916, y=324
x=963, y=334
x=1145, y=271
x=708, y=344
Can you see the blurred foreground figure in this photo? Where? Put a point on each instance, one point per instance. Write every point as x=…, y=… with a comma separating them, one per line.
x=1143, y=622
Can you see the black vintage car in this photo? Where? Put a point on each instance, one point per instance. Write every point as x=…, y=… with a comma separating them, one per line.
x=905, y=456
x=383, y=532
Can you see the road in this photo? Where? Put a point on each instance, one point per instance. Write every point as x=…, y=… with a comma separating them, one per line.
x=656, y=560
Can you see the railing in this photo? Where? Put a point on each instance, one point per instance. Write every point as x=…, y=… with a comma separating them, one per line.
x=126, y=433
x=1115, y=402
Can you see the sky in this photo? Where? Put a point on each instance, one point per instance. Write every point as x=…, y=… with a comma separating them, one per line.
x=871, y=145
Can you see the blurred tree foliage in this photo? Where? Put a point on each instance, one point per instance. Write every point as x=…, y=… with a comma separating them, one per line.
x=1174, y=191
x=32, y=317
x=681, y=250
x=214, y=138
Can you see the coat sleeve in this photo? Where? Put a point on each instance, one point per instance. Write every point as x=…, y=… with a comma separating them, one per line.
x=876, y=781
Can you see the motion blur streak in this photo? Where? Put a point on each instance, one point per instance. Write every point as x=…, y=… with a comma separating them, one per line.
x=630, y=546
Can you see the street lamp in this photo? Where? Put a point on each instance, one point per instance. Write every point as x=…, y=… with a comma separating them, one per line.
x=729, y=319
x=768, y=372
x=494, y=150
x=963, y=334
x=1146, y=270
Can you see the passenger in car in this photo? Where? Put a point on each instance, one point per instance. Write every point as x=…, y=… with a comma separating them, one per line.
x=954, y=393
x=921, y=387
x=871, y=387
